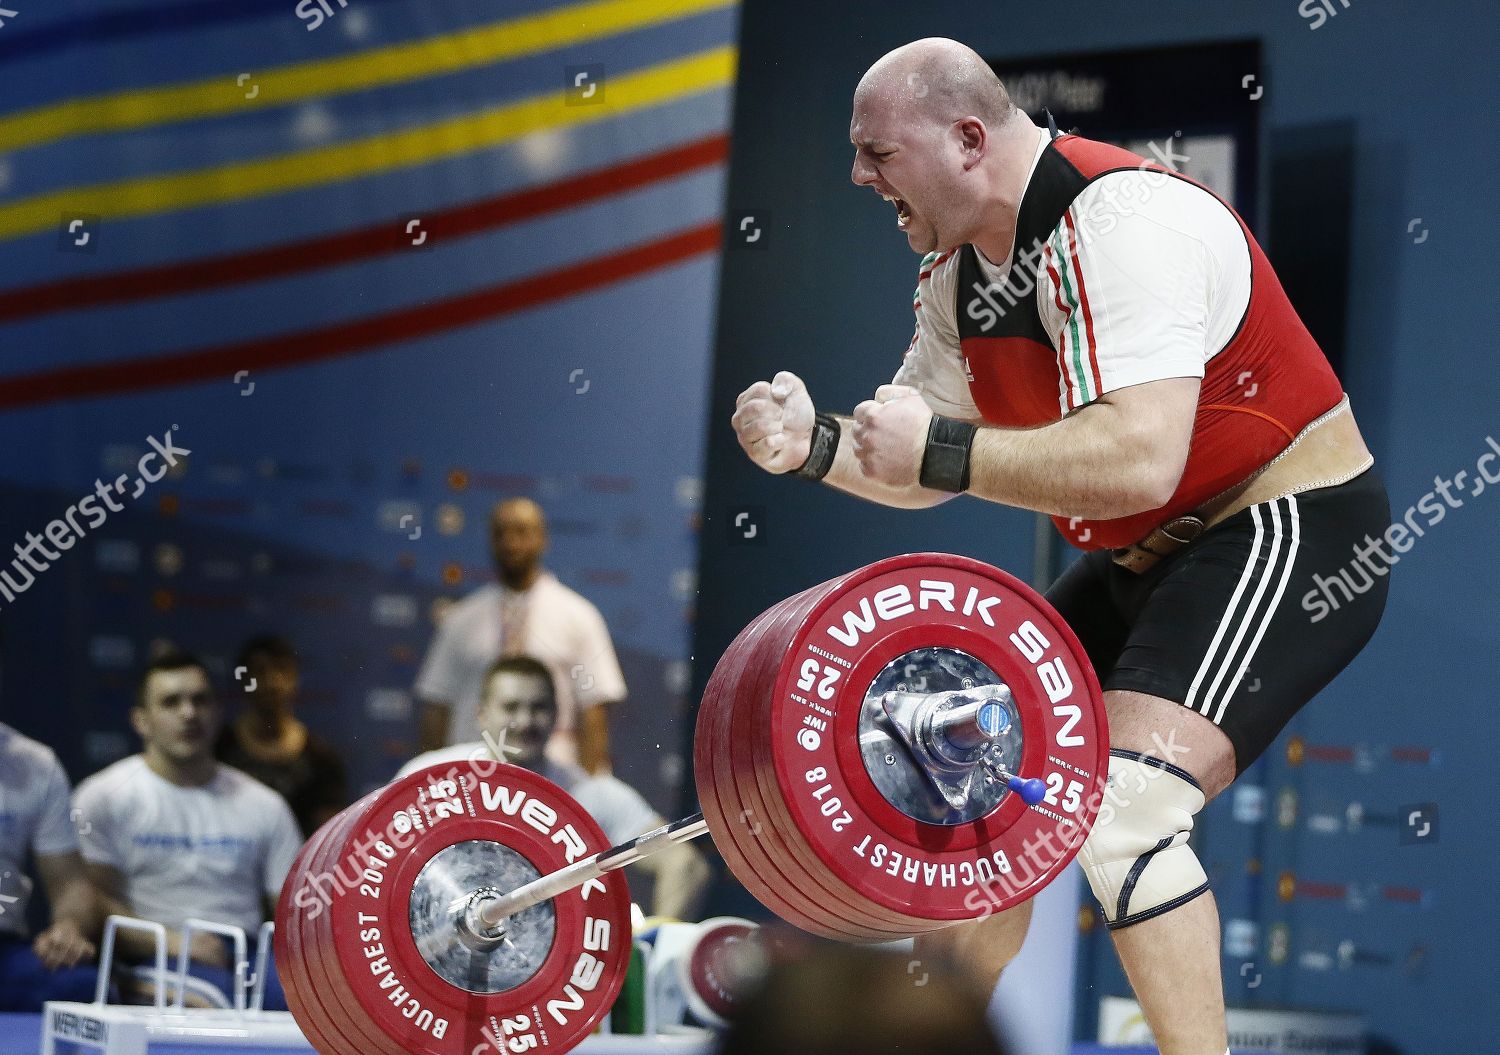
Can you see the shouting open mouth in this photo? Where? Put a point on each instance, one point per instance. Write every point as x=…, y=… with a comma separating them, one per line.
x=903, y=211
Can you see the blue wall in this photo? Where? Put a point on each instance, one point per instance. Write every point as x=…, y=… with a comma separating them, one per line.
x=829, y=297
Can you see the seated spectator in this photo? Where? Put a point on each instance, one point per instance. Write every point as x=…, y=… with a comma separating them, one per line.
x=835, y=999
x=517, y=712
x=172, y=833
x=57, y=964
x=267, y=740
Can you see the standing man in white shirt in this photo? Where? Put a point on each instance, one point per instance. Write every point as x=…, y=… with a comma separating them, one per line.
x=58, y=963
x=172, y=833
x=528, y=612
x=516, y=718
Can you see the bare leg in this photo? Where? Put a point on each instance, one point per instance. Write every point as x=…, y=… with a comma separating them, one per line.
x=1172, y=960
x=1173, y=965
x=980, y=948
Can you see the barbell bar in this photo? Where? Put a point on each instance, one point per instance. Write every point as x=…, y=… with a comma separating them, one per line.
x=857, y=756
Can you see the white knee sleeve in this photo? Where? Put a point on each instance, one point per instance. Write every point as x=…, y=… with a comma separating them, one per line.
x=1136, y=857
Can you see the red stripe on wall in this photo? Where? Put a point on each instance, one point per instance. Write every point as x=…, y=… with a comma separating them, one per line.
x=77, y=382
x=384, y=239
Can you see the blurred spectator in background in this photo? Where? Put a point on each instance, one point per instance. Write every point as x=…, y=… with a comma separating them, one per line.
x=528, y=612
x=267, y=740
x=34, y=819
x=171, y=833
x=516, y=717
x=840, y=999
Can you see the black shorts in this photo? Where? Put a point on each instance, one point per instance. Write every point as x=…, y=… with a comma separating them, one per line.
x=1250, y=620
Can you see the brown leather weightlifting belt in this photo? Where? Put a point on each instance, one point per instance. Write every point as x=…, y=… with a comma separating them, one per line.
x=1328, y=451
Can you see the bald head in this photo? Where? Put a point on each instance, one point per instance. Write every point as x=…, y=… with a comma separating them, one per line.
x=938, y=78
x=518, y=538
x=936, y=134
x=517, y=509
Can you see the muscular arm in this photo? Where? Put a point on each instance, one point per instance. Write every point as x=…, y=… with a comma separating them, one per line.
x=847, y=476
x=69, y=893
x=773, y=421
x=1121, y=454
x=76, y=917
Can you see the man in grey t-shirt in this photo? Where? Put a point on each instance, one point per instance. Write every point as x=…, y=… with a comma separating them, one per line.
x=57, y=964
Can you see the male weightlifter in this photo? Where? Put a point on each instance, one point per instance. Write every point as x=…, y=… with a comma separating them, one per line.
x=1102, y=340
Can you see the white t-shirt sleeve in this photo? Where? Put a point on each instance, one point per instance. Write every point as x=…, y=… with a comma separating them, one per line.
x=97, y=831
x=600, y=680
x=1125, y=284
x=283, y=842
x=440, y=677
x=934, y=361
x=54, y=833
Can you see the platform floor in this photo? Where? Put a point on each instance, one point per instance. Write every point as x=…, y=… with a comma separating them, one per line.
x=22, y=1035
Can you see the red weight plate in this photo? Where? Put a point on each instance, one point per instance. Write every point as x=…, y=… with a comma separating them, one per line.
x=347, y=859
x=761, y=827
x=753, y=730
x=301, y=996
x=723, y=963
x=735, y=826
x=720, y=809
x=428, y=819
x=793, y=893
x=339, y=871
x=295, y=927
x=775, y=795
x=314, y=945
x=744, y=830
x=864, y=920
x=938, y=872
x=755, y=773
x=339, y=860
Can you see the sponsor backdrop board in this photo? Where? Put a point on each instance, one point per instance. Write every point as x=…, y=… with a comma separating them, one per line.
x=362, y=357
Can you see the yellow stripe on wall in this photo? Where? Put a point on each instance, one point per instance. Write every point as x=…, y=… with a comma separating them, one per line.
x=652, y=86
x=397, y=64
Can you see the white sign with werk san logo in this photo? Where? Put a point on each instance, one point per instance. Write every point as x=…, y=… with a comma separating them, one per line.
x=1121, y=1024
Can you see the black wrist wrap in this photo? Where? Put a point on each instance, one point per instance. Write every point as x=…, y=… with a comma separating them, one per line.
x=945, y=462
x=825, y=447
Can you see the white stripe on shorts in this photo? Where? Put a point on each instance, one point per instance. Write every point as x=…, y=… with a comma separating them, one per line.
x=1245, y=608
x=1294, y=519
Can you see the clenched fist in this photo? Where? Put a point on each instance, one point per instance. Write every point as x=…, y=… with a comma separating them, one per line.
x=890, y=434
x=774, y=422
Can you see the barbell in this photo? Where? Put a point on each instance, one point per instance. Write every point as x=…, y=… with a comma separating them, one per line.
x=918, y=742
